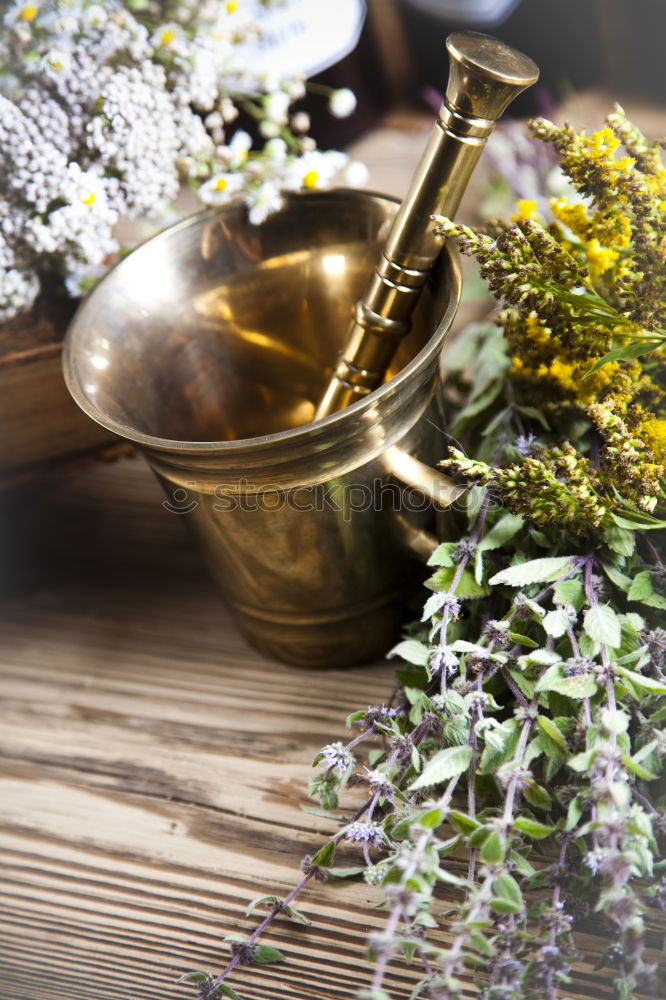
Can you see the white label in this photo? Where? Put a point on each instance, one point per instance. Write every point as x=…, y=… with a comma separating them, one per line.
x=306, y=36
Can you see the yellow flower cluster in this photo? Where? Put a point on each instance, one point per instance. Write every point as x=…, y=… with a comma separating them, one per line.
x=614, y=236
x=564, y=379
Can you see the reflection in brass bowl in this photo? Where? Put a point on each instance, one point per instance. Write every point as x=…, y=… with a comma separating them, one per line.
x=208, y=347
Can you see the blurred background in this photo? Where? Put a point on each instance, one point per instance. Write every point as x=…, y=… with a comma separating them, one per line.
x=579, y=45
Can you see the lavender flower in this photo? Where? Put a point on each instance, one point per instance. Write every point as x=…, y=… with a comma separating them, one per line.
x=380, y=784
x=365, y=833
x=445, y=661
x=337, y=756
x=526, y=444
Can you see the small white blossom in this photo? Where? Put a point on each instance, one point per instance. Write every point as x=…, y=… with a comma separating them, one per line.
x=102, y=116
x=220, y=188
x=21, y=15
x=381, y=784
x=300, y=122
x=236, y=152
x=94, y=16
x=313, y=169
x=342, y=103
x=276, y=106
x=269, y=129
x=18, y=291
x=57, y=62
x=263, y=201
x=276, y=150
x=355, y=174
x=336, y=755
x=365, y=833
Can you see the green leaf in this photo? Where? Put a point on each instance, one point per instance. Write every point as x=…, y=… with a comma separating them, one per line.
x=500, y=534
x=645, y=683
x=444, y=765
x=374, y=994
x=620, y=540
x=504, y=906
x=534, y=571
x=481, y=945
x=624, y=352
x=588, y=647
x=226, y=991
x=621, y=581
x=637, y=768
x=501, y=743
x=539, y=658
x=411, y=650
x=409, y=949
x=569, y=592
x=320, y=812
x=522, y=865
x=495, y=422
x=264, y=954
x=638, y=521
x=578, y=686
x=295, y=914
x=655, y=601
x=259, y=901
x=193, y=977
x=433, y=605
x=602, y=625
x=532, y=413
x=574, y=812
x=478, y=567
x=467, y=587
x=553, y=734
x=531, y=828
x=581, y=761
x=462, y=822
x=522, y=640
x=556, y=622
x=537, y=796
x=443, y=554
x=324, y=857
x=506, y=887
x=345, y=872
x=479, y=837
x=450, y=879
x=641, y=586
x=355, y=717
x=494, y=849
x=535, y=610
x=432, y=819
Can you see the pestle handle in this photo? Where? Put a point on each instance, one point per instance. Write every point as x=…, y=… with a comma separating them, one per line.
x=485, y=75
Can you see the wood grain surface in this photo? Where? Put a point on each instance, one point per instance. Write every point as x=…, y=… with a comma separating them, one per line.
x=153, y=767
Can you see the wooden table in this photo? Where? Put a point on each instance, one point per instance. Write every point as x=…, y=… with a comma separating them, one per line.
x=153, y=766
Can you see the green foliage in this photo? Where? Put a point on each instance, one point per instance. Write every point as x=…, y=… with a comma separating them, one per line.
x=526, y=738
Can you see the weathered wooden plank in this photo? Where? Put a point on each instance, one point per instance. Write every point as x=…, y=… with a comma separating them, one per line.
x=153, y=769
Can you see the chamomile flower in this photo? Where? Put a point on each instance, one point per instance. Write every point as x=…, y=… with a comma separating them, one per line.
x=262, y=201
x=220, y=188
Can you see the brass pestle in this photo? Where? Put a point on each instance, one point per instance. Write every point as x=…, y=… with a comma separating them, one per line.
x=485, y=76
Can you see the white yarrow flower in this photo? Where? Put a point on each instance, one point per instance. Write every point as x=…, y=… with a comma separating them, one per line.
x=342, y=103
x=276, y=150
x=276, y=107
x=355, y=174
